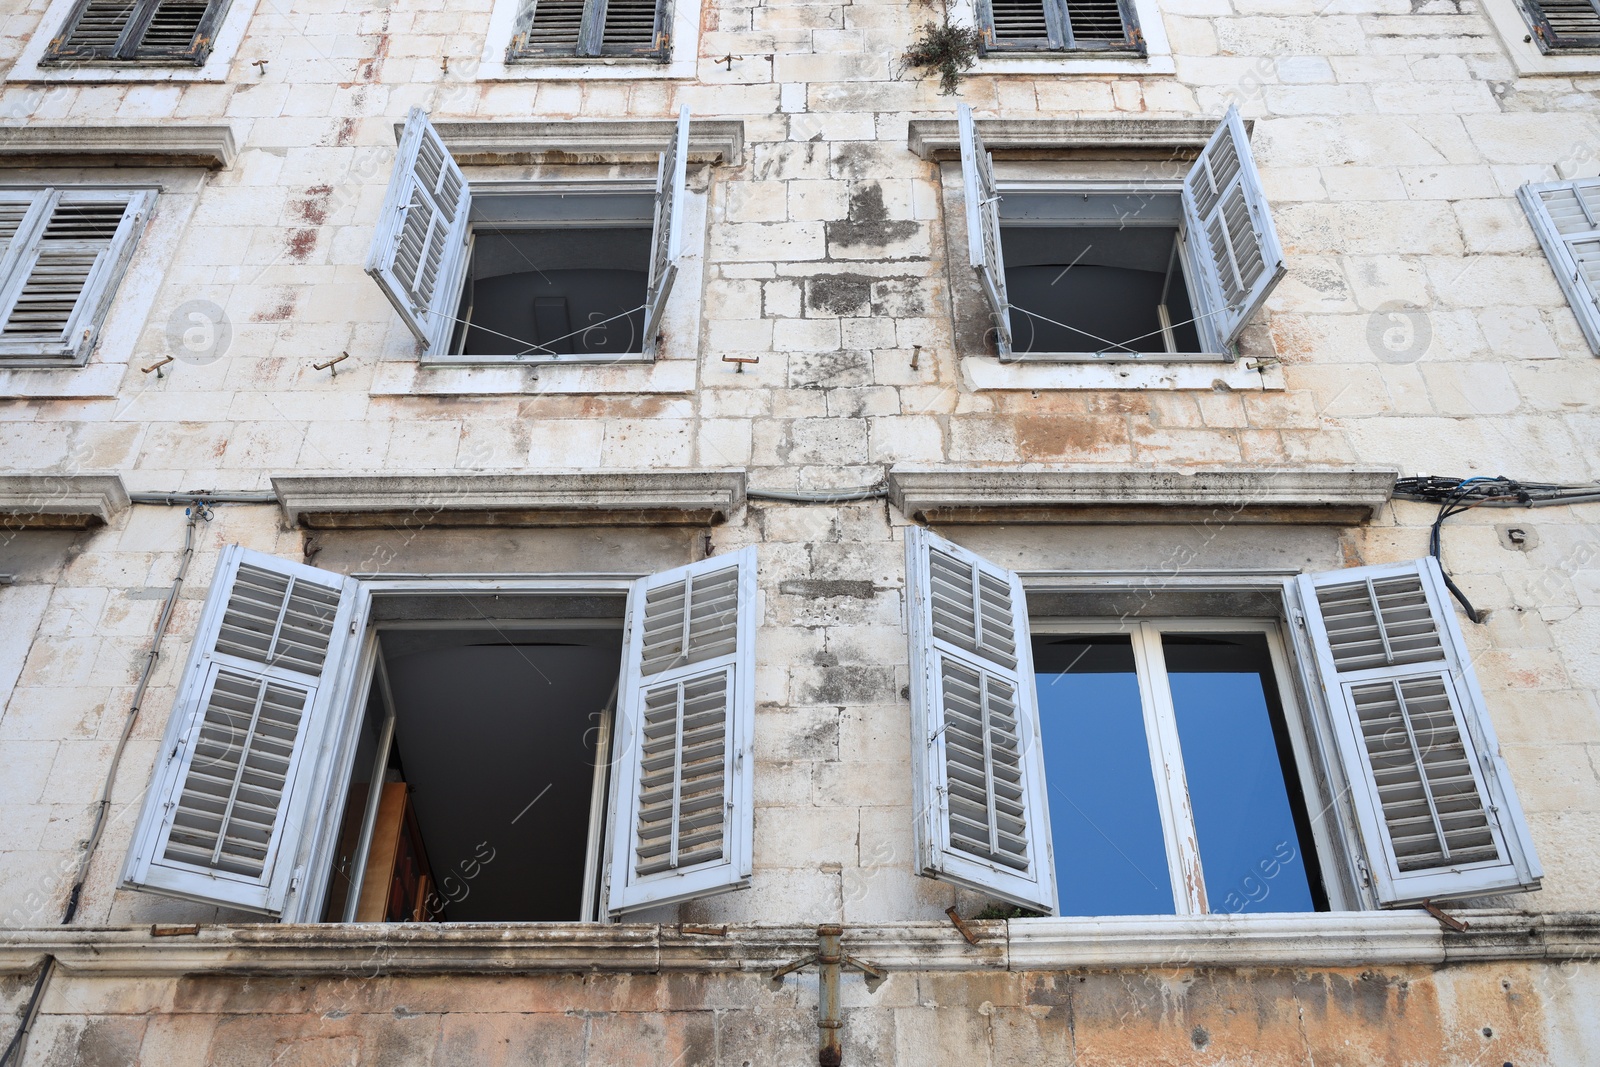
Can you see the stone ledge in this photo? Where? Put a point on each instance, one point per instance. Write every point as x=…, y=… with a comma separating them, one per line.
x=1138, y=494
x=390, y=501
x=1337, y=939
x=588, y=141
x=1050, y=138
x=59, y=502
x=154, y=145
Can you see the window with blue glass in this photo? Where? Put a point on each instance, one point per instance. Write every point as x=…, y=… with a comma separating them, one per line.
x=1171, y=771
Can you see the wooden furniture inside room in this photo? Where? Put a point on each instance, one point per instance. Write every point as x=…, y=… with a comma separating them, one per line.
x=398, y=884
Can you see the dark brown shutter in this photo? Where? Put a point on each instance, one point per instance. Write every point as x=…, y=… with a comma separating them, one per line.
x=138, y=31
x=1059, y=25
x=1562, y=24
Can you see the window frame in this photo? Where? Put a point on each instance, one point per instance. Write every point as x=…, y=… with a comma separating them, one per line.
x=94, y=303
x=1184, y=863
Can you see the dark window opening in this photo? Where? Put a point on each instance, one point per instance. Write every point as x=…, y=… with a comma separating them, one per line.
x=491, y=799
x=1100, y=273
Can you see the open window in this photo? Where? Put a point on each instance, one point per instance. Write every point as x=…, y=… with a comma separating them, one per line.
x=1093, y=764
x=458, y=751
x=1566, y=217
x=528, y=271
x=547, y=29
x=1058, y=26
x=144, y=32
x=1122, y=270
x=62, y=253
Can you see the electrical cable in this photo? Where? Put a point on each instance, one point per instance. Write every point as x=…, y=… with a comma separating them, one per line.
x=1457, y=495
x=198, y=511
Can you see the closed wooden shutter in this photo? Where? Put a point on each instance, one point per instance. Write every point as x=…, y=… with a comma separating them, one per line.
x=983, y=226
x=978, y=771
x=1565, y=24
x=139, y=31
x=65, y=251
x=1566, y=218
x=1438, y=817
x=682, y=822
x=1230, y=230
x=222, y=818
x=1058, y=25
x=553, y=28
x=418, y=254
x=667, y=236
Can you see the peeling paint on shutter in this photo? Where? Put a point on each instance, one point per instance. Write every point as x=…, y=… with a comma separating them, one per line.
x=978, y=772
x=1057, y=25
x=1437, y=815
x=418, y=255
x=1563, y=24
x=139, y=31
x=681, y=821
x=983, y=226
x=229, y=793
x=1566, y=218
x=1229, y=227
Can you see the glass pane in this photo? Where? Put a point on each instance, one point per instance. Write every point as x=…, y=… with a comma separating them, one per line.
x=1110, y=854
x=1242, y=783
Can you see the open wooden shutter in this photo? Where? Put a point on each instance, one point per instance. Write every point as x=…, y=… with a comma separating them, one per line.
x=981, y=818
x=227, y=801
x=65, y=251
x=1057, y=25
x=418, y=254
x=983, y=225
x=1566, y=216
x=139, y=31
x=1438, y=817
x=1562, y=24
x=1235, y=247
x=682, y=820
x=667, y=237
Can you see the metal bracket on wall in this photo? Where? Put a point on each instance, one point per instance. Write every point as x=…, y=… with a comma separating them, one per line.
x=830, y=958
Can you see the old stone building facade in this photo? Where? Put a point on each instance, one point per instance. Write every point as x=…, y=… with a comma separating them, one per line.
x=375, y=379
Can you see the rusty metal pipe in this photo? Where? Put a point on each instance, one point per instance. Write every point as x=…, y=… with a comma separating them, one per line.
x=829, y=956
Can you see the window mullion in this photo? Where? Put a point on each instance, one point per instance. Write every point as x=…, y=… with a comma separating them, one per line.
x=1172, y=785
x=591, y=34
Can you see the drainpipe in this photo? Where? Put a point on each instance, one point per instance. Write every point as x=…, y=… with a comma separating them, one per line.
x=830, y=959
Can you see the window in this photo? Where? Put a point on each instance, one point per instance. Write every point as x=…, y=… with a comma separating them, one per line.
x=1164, y=765
x=1566, y=216
x=1058, y=26
x=461, y=750
x=62, y=253
x=1122, y=272
x=531, y=272
x=1564, y=25
x=177, y=32
x=583, y=28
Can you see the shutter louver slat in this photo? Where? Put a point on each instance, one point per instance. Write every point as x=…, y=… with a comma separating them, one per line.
x=279, y=620
x=1018, y=21
x=553, y=28
x=98, y=28
x=1098, y=21
x=1563, y=24
x=1398, y=630
x=630, y=26
x=77, y=236
x=174, y=25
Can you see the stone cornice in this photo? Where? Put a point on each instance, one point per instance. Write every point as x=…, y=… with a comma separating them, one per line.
x=589, y=140
x=1129, y=494
x=936, y=138
x=611, y=498
x=165, y=144
x=1337, y=939
x=59, y=502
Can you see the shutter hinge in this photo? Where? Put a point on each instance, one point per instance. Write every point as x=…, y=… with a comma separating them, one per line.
x=352, y=626
x=1300, y=619
x=1366, y=875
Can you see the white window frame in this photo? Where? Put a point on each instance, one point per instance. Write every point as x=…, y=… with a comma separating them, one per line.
x=1583, y=296
x=1184, y=863
x=30, y=68
x=1157, y=59
x=684, y=47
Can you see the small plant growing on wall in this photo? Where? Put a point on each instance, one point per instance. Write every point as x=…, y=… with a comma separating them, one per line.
x=944, y=47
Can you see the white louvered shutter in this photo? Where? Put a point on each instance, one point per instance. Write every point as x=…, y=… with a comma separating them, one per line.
x=682, y=821
x=1235, y=247
x=226, y=805
x=1566, y=216
x=978, y=771
x=667, y=239
x=418, y=254
x=983, y=225
x=65, y=251
x=1438, y=817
